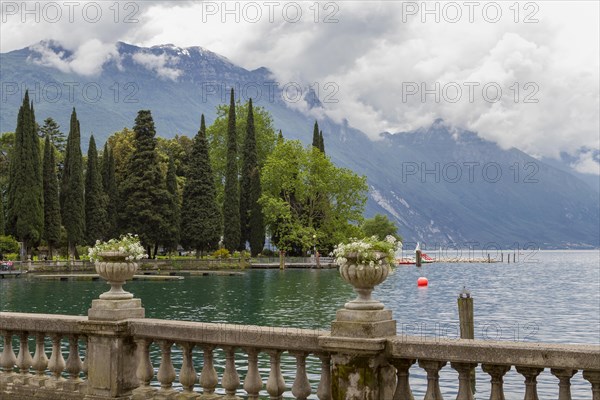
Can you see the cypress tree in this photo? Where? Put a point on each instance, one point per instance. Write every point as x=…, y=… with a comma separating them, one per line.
x=251, y=216
x=25, y=192
x=110, y=189
x=72, y=188
x=170, y=229
x=280, y=136
x=231, y=199
x=2, y=218
x=51, y=200
x=200, y=214
x=105, y=167
x=315, y=139
x=321, y=142
x=143, y=192
x=95, y=198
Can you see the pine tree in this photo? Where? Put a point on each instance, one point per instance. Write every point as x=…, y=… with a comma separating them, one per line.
x=110, y=189
x=231, y=200
x=72, y=188
x=280, y=136
x=170, y=229
x=95, y=198
x=315, y=139
x=52, y=130
x=51, y=200
x=143, y=192
x=251, y=216
x=25, y=192
x=200, y=215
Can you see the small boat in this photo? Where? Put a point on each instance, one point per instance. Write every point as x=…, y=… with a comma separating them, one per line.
x=425, y=259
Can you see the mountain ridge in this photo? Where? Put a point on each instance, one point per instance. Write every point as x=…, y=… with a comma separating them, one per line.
x=410, y=174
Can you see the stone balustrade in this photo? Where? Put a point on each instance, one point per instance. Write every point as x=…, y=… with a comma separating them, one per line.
x=27, y=374
x=231, y=339
x=496, y=359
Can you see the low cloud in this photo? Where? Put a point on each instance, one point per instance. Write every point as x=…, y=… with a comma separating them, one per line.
x=588, y=162
x=162, y=64
x=374, y=52
x=87, y=60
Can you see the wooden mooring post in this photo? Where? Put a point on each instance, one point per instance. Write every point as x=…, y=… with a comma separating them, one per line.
x=281, y=259
x=467, y=326
x=418, y=255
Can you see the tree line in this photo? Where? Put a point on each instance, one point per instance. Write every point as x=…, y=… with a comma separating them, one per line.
x=232, y=185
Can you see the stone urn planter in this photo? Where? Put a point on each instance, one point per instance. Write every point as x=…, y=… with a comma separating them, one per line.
x=114, y=267
x=364, y=278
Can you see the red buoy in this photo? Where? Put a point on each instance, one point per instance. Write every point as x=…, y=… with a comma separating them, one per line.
x=422, y=281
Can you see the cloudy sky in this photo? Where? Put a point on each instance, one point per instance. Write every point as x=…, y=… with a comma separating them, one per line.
x=521, y=74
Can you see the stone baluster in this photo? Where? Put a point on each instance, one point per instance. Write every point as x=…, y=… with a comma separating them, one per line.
x=144, y=371
x=7, y=358
x=253, y=382
x=530, y=374
x=84, y=367
x=24, y=360
x=208, y=378
x=433, y=378
x=231, y=379
x=593, y=377
x=166, y=372
x=74, y=365
x=324, y=389
x=496, y=373
x=464, y=380
x=564, y=385
x=40, y=361
x=403, y=391
x=275, y=383
x=56, y=364
x=301, y=387
x=187, y=374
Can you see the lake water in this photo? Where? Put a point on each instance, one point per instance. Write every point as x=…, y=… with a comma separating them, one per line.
x=549, y=296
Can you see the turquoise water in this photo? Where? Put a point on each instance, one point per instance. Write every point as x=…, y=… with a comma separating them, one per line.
x=550, y=296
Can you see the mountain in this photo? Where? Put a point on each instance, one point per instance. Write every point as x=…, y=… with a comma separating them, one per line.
x=442, y=185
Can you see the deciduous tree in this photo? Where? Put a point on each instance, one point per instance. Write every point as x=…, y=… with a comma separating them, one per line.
x=307, y=200
x=380, y=226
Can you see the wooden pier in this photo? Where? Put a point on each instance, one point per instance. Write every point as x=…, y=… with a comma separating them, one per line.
x=95, y=277
x=11, y=274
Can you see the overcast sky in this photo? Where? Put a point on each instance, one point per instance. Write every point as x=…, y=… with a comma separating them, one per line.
x=543, y=56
